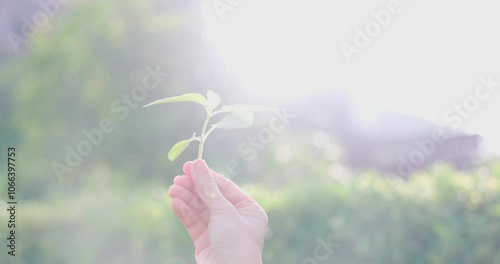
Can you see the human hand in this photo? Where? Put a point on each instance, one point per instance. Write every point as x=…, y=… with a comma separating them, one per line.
x=226, y=225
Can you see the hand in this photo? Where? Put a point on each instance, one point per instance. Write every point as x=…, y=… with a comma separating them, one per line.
x=226, y=225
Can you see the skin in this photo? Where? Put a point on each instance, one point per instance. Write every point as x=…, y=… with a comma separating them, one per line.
x=226, y=225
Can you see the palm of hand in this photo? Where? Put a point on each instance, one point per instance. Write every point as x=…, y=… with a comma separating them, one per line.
x=229, y=228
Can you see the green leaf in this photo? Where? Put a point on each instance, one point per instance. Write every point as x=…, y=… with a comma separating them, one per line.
x=248, y=107
x=178, y=148
x=213, y=99
x=238, y=118
x=189, y=97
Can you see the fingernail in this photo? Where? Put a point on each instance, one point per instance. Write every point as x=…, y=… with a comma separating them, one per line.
x=210, y=192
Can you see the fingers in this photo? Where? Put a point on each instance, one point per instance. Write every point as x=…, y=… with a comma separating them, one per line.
x=191, y=221
x=234, y=194
x=177, y=191
x=184, y=181
x=192, y=200
x=207, y=189
x=187, y=167
x=244, y=203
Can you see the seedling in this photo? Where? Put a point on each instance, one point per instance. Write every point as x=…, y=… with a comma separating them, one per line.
x=236, y=116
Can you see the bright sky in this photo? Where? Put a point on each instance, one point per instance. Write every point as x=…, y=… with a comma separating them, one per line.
x=427, y=58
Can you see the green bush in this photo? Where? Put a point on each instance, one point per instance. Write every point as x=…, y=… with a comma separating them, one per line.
x=434, y=218
x=440, y=217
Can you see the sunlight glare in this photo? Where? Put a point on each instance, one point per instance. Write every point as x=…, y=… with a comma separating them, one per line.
x=279, y=58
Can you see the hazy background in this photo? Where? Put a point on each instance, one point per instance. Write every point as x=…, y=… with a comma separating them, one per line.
x=356, y=161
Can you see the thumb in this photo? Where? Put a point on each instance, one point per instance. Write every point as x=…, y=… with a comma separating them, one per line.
x=207, y=188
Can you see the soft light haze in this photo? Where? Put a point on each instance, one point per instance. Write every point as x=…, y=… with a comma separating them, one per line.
x=428, y=58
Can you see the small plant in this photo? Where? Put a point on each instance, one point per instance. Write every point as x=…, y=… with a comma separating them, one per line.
x=236, y=116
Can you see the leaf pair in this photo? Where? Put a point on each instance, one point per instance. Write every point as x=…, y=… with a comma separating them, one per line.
x=239, y=116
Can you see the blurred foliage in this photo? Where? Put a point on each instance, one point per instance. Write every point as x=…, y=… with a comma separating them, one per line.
x=91, y=55
x=440, y=217
x=113, y=207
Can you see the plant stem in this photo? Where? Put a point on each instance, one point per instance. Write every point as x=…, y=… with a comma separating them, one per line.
x=210, y=130
x=202, y=136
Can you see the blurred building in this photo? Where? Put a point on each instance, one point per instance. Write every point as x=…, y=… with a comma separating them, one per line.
x=385, y=140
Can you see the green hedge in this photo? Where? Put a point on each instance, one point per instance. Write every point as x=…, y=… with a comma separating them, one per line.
x=440, y=217
x=374, y=220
